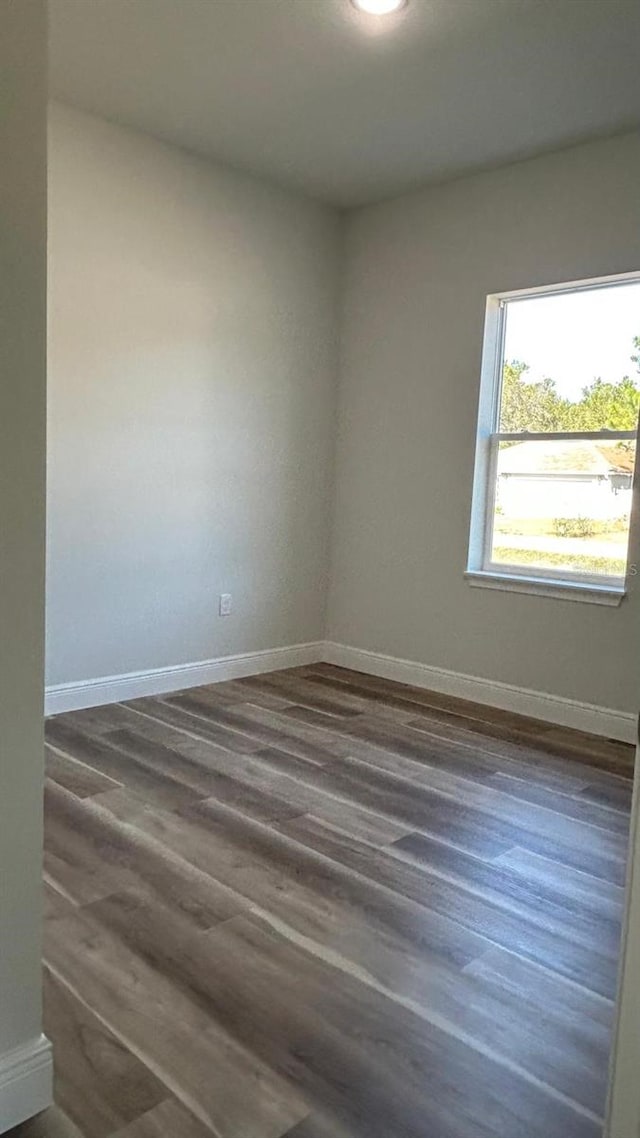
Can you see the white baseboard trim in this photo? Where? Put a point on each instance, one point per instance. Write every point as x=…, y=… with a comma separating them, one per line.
x=26, y=1082
x=604, y=721
x=156, y=681
x=608, y=722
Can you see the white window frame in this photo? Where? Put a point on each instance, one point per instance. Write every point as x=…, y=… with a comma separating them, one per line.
x=480, y=569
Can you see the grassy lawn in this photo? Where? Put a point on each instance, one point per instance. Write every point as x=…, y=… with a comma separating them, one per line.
x=606, y=566
x=614, y=529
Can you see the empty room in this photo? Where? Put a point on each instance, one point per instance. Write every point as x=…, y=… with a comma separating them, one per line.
x=319, y=569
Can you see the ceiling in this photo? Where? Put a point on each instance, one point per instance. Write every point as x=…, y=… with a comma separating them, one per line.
x=350, y=108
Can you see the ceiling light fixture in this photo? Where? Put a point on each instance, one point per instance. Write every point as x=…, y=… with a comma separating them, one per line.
x=379, y=7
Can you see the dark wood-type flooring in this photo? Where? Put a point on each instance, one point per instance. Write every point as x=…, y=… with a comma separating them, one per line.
x=322, y=905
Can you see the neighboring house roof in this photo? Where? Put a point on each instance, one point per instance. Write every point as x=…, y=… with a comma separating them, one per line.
x=565, y=458
x=622, y=459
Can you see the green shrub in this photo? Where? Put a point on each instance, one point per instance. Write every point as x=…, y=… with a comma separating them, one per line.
x=574, y=527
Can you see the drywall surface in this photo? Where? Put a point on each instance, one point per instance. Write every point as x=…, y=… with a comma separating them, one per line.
x=191, y=406
x=418, y=271
x=22, y=457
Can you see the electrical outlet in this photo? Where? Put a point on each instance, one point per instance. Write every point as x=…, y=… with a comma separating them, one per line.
x=225, y=606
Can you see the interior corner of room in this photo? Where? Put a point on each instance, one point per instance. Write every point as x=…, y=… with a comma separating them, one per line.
x=191, y=447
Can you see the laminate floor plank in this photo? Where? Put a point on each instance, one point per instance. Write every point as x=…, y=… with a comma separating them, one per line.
x=253, y=786
x=617, y=795
x=338, y=781
x=509, y=881
x=453, y=750
x=213, y=1076
x=79, y=874
x=51, y=1123
x=319, y=899
x=233, y=691
x=580, y=810
x=99, y=1083
x=212, y=755
x=533, y=741
x=164, y=759
x=407, y=744
x=369, y=1059
x=265, y=727
x=325, y=737
x=572, y=952
x=168, y=1120
x=614, y=760
x=98, y=752
x=318, y=904
x=191, y=964
x=95, y=720
x=575, y=885
x=605, y=753
x=389, y=689
x=370, y=690
x=436, y=803
x=564, y=1051
x=319, y=1125
x=203, y=779
x=519, y=728
x=313, y=716
x=127, y=858
x=75, y=776
x=576, y=807
x=56, y=904
x=267, y=785
x=303, y=692
x=563, y=772
x=540, y=988
x=197, y=724
x=437, y=707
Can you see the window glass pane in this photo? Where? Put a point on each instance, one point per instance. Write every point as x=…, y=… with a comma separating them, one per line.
x=571, y=361
x=563, y=506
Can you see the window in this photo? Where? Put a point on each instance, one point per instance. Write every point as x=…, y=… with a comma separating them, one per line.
x=556, y=444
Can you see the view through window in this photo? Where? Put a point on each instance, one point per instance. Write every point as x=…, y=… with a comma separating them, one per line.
x=562, y=446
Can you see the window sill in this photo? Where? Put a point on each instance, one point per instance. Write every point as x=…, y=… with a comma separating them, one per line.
x=546, y=587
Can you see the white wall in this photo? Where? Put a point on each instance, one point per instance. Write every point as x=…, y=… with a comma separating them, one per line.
x=24, y=1059
x=418, y=271
x=192, y=394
